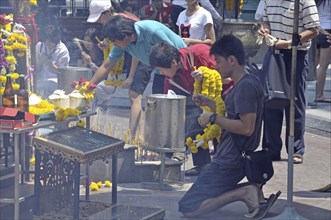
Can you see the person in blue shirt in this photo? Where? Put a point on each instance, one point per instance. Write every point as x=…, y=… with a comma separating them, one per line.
x=135, y=38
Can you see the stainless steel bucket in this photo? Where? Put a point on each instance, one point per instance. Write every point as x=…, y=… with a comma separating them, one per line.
x=165, y=122
x=69, y=74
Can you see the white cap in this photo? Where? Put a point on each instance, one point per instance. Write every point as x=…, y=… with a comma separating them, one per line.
x=96, y=9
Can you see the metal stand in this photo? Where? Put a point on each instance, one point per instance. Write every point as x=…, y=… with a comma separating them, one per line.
x=289, y=211
x=162, y=184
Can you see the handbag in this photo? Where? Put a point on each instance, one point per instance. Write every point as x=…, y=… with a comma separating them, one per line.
x=273, y=80
x=258, y=166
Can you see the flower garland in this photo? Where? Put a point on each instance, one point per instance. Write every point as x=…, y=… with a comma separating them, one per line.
x=43, y=107
x=85, y=88
x=14, y=42
x=211, y=86
x=64, y=113
x=33, y=2
x=114, y=78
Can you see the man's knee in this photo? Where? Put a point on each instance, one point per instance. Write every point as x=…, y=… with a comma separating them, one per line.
x=134, y=96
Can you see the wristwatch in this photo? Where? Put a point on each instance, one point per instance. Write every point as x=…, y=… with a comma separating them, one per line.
x=212, y=118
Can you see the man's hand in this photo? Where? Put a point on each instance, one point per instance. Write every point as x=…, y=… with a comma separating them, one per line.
x=103, y=45
x=127, y=83
x=329, y=38
x=201, y=100
x=204, y=118
x=187, y=40
x=197, y=75
x=264, y=31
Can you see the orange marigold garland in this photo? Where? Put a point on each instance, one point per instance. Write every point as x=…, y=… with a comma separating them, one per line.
x=211, y=86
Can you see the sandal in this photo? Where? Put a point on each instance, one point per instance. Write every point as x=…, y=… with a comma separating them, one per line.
x=195, y=171
x=297, y=159
x=178, y=156
x=323, y=100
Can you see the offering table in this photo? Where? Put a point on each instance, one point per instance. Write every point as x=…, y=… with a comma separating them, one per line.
x=19, y=149
x=58, y=158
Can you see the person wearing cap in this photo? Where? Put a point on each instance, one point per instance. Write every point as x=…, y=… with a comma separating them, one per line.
x=138, y=76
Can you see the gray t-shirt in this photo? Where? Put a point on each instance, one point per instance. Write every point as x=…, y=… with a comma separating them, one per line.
x=245, y=97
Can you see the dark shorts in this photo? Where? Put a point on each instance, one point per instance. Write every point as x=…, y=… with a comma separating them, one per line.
x=321, y=40
x=141, y=78
x=212, y=182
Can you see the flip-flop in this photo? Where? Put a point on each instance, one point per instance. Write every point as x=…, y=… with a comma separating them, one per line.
x=297, y=159
x=264, y=209
x=324, y=100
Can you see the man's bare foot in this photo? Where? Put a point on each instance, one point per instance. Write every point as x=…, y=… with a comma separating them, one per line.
x=251, y=199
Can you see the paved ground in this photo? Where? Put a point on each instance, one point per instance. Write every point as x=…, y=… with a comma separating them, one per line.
x=313, y=174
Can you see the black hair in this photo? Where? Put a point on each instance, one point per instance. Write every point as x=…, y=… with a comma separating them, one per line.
x=118, y=27
x=52, y=33
x=116, y=7
x=93, y=33
x=229, y=45
x=162, y=54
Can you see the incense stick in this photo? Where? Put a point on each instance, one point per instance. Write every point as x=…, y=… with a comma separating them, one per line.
x=76, y=41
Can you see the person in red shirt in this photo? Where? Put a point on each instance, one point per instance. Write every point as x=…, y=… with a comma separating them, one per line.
x=175, y=65
x=159, y=11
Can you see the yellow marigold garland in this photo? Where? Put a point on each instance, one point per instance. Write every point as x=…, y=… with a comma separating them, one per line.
x=211, y=86
x=114, y=74
x=43, y=107
x=64, y=113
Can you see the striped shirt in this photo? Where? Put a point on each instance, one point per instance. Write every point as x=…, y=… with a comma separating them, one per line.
x=280, y=13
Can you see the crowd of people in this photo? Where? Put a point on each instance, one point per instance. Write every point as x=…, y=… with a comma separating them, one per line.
x=158, y=41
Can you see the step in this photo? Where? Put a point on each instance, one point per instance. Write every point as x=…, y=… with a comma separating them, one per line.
x=7, y=210
x=6, y=176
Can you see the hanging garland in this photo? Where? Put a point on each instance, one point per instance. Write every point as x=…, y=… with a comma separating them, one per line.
x=14, y=42
x=211, y=86
x=115, y=75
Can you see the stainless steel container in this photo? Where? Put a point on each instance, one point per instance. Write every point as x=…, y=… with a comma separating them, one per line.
x=69, y=74
x=165, y=122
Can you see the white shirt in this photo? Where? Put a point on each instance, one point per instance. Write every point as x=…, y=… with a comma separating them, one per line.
x=58, y=56
x=204, y=3
x=280, y=14
x=193, y=26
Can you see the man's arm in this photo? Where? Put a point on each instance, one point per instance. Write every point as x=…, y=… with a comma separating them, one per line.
x=102, y=71
x=245, y=125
